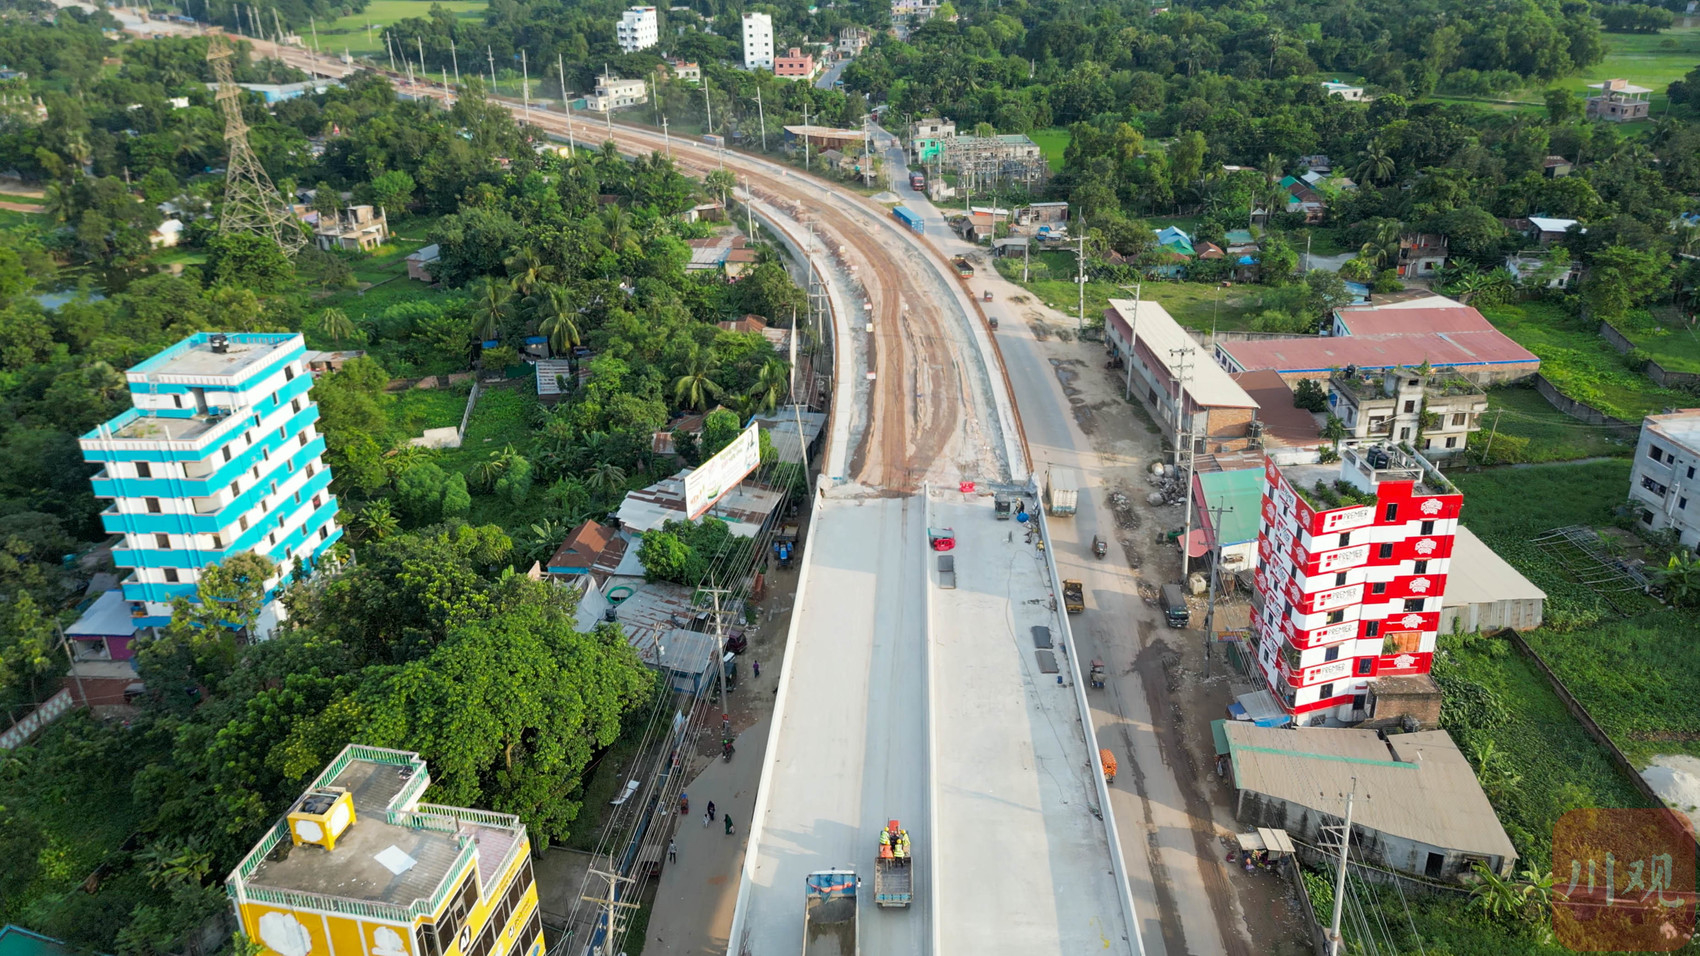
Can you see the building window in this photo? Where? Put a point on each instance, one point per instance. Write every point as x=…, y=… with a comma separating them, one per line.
x=1428, y=443
x=289, y=373
x=318, y=501
x=324, y=533
x=152, y=504
x=1332, y=654
x=142, y=470
x=1691, y=473
x=1419, y=567
x=303, y=437
x=1427, y=527
x=1373, y=629
x=1655, y=452
x=298, y=497
x=1458, y=420
x=1391, y=513
x=1335, y=617
x=1345, y=538
x=1326, y=692
x=1682, y=503
x=1404, y=434
x=1386, y=551
x=1378, y=589
x=1410, y=407
x=281, y=434
x=226, y=451
x=1653, y=486
x=1340, y=579
x=242, y=522
x=1413, y=605
x=162, y=542
x=1452, y=443
x=170, y=575
x=295, y=406
x=1646, y=517
x=218, y=541
x=1365, y=665
x=235, y=489
x=256, y=472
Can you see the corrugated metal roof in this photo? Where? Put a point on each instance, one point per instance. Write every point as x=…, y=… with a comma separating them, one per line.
x=1210, y=384
x=1479, y=576
x=1406, y=318
x=1416, y=786
x=1323, y=353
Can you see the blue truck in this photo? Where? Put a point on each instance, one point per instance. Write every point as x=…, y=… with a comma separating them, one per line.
x=829, y=913
x=908, y=217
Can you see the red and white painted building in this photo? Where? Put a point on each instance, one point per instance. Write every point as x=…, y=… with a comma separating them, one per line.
x=1350, y=594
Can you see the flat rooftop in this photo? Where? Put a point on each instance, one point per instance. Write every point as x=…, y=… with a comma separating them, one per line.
x=145, y=427
x=376, y=861
x=197, y=357
x=1681, y=426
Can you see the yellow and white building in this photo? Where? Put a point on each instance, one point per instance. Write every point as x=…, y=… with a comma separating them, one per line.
x=359, y=867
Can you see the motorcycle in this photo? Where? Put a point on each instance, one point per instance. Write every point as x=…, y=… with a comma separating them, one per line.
x=726, y=750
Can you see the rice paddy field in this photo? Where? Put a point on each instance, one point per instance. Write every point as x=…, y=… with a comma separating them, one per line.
x=362, y=33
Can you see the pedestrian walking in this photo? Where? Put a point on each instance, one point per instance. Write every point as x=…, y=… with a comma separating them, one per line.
x=756, y=668
x=672, y=852
x=728, y=824
x=711, y=809
x=707, y=818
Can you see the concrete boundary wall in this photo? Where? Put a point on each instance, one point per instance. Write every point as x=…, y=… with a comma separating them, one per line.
x=1117, y=861
x=1658, y=373
x=1580, y=411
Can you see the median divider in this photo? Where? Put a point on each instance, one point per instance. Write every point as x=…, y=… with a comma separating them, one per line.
x=934, y=882
x=1117, y=861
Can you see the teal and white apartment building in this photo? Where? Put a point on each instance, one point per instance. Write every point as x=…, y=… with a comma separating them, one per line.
x=220, y=455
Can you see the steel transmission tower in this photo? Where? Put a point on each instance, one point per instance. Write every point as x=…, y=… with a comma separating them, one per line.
x=251, y=202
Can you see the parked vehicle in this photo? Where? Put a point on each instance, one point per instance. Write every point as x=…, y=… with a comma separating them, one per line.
x=964, y=268
x=829, y=913
x=1175, y=609
x=993, y=322
x=893, y=875
x=1062, y=491
x=1003, y=506
x=986, y=296
x=1074, y=596
x=909, y=218
x=715, y=140
x=1099, y=546
x=917, y=181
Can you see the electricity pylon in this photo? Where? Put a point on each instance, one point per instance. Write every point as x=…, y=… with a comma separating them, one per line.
x=251, y=202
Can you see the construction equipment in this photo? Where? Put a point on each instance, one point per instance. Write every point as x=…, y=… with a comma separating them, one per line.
x=829, y=913
x=941, y=539
x=1003, y=506
x=1074, y=596
x=893, y=875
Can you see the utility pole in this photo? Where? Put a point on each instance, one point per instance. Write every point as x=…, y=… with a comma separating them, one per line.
x=314, y=27
x=455, y=56
x=390, y=49
x=1026, y=258
x=78, y=678
x=707, y=109
x=1307, y=251
x=719, y=642
x=612, y=906
x=409, y=64
x=525, y=88
x=1080, y=277
x=1183, y=444
x=1216, y=514
x=1340, y=878
x=424, y=73
x=561, y=68
x=1492, y=432
x=491, y=57
x=761, y=117
x=750, y=218
x=805, y=134
x=666, y=143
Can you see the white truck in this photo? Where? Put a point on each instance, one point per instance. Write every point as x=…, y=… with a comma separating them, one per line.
x=894, y=880
x=1062, y=491
x=829, y=913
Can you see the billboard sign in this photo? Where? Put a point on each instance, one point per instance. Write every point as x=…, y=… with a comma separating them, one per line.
x=715, y=477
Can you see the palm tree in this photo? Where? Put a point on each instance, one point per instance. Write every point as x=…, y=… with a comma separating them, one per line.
x=1382, y=247
x=614, y=230
x=719, y=183
x=559, y=318
x=376, y=521
x=604, y=477
x=527, y=269
x=492, y=468
x=104, y=381
x=494, y=307
x=57, y=202
x=335, y=325
x=772, y=384
x=694, y=389
x=1334, y=430
x=1375, y=166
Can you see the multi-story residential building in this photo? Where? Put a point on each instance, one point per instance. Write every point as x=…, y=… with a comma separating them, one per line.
x=638, y=29
x=1618, y=101
x=927, y=138
x=1173, y=376
x=852, y=41
x=758, y=41
x=1421, y=255
x=688, y=71
x=1352, y=566
x=1435, y=412
x=794, y=65
x=359, y=867
x=1663, y=482
x=613, y=93
x=219, y=456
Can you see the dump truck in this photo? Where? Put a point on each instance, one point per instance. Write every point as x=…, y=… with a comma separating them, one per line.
x=917, y=181
x=1062, y=492
x=893, y=874
x=829, y=913
x=964, y=268
x=1074, y=596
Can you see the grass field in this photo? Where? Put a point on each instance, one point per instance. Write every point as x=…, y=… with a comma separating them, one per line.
x=1525, y=428
x=1575, y=358
x=1665, y=338
x=417, y=409
x=351, y=33
x=1194, y=305
x=1052, y=142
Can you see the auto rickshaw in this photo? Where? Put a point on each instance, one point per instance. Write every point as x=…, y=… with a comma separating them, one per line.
x=1099, y=546
x=993, y=322
x=1096, y=675
x=1109, y=761
x=987, y=296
